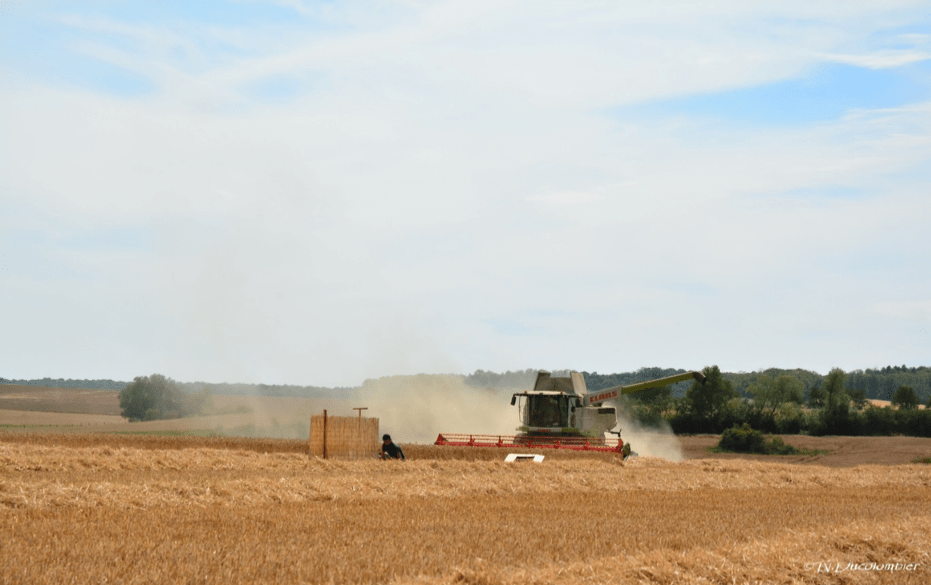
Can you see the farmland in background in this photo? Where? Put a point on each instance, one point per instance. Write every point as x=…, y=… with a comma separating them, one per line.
x=101, y=506
x=37, y=408
x=405, y=404
x=137, y=508
x=50, y=399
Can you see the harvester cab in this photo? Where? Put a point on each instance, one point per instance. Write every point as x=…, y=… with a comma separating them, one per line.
x=556, y=407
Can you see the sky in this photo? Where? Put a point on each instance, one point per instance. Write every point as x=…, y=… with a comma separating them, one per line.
x=318, y=193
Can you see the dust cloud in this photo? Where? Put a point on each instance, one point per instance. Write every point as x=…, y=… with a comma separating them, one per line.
x=279, y=417
x=658, y=442
x=415, y=409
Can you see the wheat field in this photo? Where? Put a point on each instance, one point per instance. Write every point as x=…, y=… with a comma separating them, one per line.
x=141, y=509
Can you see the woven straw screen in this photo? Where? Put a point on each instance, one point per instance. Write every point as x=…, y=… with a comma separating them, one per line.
x=347, y=437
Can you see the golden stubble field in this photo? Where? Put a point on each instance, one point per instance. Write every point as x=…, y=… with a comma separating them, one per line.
x=140, y=509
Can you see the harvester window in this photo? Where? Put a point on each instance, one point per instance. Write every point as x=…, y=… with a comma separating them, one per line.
x=548, y=411
x=606, y=410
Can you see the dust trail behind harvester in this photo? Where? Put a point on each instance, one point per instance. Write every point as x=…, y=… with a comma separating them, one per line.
x=658, y=442
x=415, y=409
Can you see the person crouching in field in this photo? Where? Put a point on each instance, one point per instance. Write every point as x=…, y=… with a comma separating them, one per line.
x=389, y=450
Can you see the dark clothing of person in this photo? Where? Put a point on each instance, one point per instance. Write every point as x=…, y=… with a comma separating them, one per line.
x=392, y=451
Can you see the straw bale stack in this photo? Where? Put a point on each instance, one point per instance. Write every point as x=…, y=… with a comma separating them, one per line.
x=347, y=437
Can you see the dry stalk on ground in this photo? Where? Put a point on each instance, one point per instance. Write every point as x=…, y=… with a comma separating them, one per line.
x=168, y=509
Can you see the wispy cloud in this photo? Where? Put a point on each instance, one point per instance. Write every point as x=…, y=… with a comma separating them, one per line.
x=455, y=185
x=297, y=5
x=880, y=59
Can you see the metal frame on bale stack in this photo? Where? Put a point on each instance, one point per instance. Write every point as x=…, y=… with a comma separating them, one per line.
x=343, y=437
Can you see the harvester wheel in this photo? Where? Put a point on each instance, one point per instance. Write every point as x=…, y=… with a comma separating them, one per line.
x=626, y=450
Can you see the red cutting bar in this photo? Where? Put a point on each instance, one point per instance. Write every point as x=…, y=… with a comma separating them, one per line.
x=574, y=443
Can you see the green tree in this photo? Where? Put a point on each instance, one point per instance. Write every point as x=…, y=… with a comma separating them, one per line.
x=905, y=398
x=836, y=397
x=789, y=418
x=858, y=397
x=153, y=397
x=834, y=418
x=768, y=394
x=657, y=399
x=650, y=406
x=761, y=391
x=816, y=396
x=709, y=400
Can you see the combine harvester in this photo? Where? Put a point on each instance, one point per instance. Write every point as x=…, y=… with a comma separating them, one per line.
x=559, y=413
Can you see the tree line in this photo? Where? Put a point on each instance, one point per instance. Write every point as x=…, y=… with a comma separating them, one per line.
x=68, y=383
x=158, y=397
x=239, y=389
x=781, y=404
x=877, y=384
x=785, y=401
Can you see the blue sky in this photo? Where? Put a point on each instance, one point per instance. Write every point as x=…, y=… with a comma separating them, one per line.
x=823, y=95
x=320, y=193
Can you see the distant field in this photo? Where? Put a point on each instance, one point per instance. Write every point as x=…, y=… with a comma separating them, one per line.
x=37, y=408
x=129, y=508
x=30, y=419
x=58, y=410
x=63, y=400
x=841, y=451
